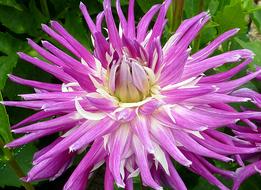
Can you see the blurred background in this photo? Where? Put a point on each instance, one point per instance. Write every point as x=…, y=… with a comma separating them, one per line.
x=21, y=19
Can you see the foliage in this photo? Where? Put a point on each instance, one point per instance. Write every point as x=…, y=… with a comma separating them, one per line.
x=21, y=19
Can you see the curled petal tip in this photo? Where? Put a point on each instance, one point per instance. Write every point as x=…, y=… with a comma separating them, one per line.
x=53, y=22
x=20, y=54
x=44, y=42
x=29, y=40
x=44, y=26
x=82, y=5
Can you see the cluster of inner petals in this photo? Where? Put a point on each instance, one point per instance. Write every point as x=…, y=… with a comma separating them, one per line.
x=128, y=80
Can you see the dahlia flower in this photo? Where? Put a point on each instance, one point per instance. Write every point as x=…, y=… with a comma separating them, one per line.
x=133, y=104
x=247, y=135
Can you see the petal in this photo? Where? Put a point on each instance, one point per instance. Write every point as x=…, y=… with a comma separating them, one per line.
x=142, y=162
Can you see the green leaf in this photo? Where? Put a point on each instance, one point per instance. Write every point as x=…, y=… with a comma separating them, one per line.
x=8, y=46
x=17, y=21
x=24, y=157
x=145, y=5
x=4, y=123
x=257, y=19
x=253, y=183
x=26, y=21
x=7, y=63
x=254, y=46
x=77, y=27
x=123, y=2
x=232, y=16
x=11, y=3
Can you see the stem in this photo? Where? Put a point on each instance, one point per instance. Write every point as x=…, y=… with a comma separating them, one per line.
x=197, y=39
x=170, y=17
x=15, y=166
x=8, y=154
x=177, y=13
x=44, y=8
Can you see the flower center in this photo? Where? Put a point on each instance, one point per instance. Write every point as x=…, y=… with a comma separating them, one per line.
x=129, y=80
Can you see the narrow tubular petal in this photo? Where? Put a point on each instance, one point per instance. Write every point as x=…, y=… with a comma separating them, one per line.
x=214, y=169
x=98, y=130
x=121, y=16
x=108, y=179
x=172, y=73
x=45, y=54
x=35, y=84
x=216, y=98
x=101, y=48
x=87, y=18
x=99, y=20
x=83, y=52
x=93, y=116
x=62, y=120
x=245, y=172
x=184, y=28
x=163, y=136
x=140, y=128
x=53, y=95
x=50, y=168
x=245, y=92
x=188, y=117
x=224, y=87
x=145, y=22
x=216, y=61
x=160, y=22
x=174, y=178
x=119, y=141
x=191, y=145
x=78, y=179
x=35, y=117
x=178, y=95
x=131, y=20
x=45, y=149
x=208, y=50
x=220, y=77
x=69, y=140
x=142, y=162
x=200, y=169
x=55, y=71
x=35, y=135
x=112, y=29
x=68, y=60
x=35, y=105
x=59, y=39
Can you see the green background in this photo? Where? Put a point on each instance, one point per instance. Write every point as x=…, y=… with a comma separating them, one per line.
x=21, y=19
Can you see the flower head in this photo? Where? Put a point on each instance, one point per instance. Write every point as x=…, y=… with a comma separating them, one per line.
x=133, y=104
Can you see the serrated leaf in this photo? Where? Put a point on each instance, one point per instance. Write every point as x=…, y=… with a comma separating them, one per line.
x=232, y=16
x=24, y=157
x=254, y=46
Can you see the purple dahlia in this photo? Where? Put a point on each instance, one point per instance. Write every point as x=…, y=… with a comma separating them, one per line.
x=133, y=104
x=248, y=135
